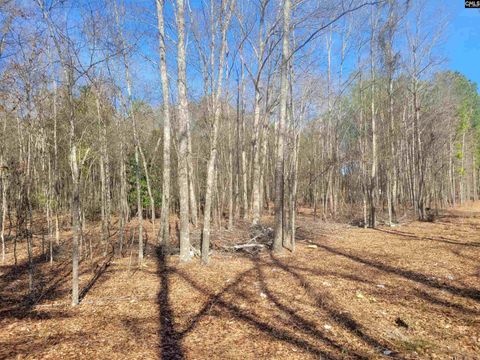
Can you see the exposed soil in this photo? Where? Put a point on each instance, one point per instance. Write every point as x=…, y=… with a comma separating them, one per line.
x=405, y=292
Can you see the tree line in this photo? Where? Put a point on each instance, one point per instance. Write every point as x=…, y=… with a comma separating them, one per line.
x=213, y=111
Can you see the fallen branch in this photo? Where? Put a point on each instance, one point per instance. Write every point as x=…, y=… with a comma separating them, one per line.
x=247, y=245
x=244, y=246
x=255, y=238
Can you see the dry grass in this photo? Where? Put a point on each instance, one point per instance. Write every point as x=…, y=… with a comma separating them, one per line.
x=342, y=298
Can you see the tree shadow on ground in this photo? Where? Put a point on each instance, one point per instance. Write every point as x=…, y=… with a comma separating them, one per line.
x=15, y=302
x=440, y=239
x=96, y=276
x=281, y=319
x=170, y=339
x=249, y=317
x=51, y=283
x=302, y=324
x=423, y=279
x=446, y=304
x=294, y=329
x=464, y=256
x=32, y=348
x=448, y=222
x=342, y=318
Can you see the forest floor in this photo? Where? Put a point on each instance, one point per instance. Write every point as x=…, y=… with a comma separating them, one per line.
x=405, y=292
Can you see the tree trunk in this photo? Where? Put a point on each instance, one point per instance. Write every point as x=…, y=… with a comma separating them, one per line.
x=279, y=162
x=211, y=171
x=183, y=120
x=76, y=222
x=164, y=232
x=373, y=170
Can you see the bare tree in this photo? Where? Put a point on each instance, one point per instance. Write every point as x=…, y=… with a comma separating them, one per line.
x=183, y=120
x=226, y=9
x=279, y=159
x=164, y=232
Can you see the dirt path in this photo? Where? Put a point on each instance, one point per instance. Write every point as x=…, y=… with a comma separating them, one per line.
x=411, y=291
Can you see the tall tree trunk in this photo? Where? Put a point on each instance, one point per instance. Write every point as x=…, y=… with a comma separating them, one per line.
x=56, y=184
x=76, y=222
x=103, y=185
x=256, y=157
x=279, y=162
x=373, y=169
x=139, y=204
x=66, y=60
x=164, y=232
x=227, y=9
x=183, y=120
x=129, y=108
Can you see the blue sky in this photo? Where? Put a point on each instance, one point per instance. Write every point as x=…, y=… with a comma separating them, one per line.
x=462, y=46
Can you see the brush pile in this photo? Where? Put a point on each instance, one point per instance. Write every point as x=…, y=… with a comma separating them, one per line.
x=261, y=237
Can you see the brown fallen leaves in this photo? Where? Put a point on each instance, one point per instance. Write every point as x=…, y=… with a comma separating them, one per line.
x=338, y=296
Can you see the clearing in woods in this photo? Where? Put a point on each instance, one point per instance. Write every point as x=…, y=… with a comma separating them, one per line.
x=410, y=291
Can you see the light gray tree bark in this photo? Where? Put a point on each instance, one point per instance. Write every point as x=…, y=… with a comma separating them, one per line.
x=373, y=124
x=227, y=10
x=183, y=120
x=279, y=158
x=164, y=232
